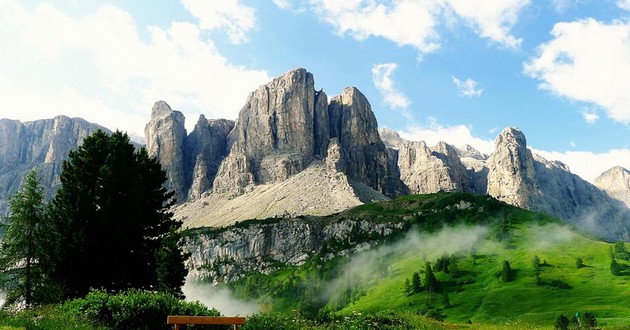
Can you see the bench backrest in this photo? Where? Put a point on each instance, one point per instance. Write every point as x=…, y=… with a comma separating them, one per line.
x=215, y=320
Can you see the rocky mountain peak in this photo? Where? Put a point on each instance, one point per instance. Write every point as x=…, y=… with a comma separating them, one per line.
x=165, y=134
x=511, y=176
x=390, y=137
x=616, y=183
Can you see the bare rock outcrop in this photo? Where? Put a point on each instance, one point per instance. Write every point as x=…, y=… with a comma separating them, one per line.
x=41, y=144
x=353, y=123
x=204, y=150
x=166, y=134
x=280, y=130
x=616, y=183
x=512, y=175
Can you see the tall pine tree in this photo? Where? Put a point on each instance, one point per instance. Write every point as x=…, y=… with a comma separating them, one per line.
x=113, y=220
x=23, y=252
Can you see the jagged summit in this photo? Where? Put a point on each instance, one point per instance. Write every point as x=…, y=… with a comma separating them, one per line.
x=286, y=127
x=295, y=151
x=616, y=183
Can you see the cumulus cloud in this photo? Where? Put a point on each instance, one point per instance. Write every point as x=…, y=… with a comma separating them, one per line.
x=624, y=4
x=231, y=15
x=415, y=22
x=382, y=78
x=57, y=64
x=467, y=87
x=587, y=61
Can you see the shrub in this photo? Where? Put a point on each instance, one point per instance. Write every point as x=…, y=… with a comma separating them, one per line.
x=562, y=323
x=579, y=263
x=589, y=320
x=135, y=309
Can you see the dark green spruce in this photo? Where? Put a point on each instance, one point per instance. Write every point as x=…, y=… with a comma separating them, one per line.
x=112, y=220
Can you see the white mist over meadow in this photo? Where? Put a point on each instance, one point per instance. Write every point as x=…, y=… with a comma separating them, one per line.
x=219, y=298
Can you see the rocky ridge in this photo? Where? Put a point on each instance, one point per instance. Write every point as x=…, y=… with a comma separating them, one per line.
x=40, y=144
x=616, y=183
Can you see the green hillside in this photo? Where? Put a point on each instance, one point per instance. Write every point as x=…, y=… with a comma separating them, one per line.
x=466, y=241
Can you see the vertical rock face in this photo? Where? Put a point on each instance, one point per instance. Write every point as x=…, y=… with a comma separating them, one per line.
x=616, y=183
x=353, y=123
x=511, y=175
x=204, y=150
x=281, y=128
x=424, y=170
x=166, y=134
x=41, y=144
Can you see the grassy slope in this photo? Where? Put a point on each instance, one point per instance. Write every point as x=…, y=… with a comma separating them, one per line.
x=486, y=299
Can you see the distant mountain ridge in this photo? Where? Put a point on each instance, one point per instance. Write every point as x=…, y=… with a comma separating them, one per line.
x=41, y=144
x=293, y=152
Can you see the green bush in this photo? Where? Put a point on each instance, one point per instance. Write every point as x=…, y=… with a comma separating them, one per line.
x=135, y=309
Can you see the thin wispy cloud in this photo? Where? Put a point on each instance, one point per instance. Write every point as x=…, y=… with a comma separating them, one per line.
x=590, y=116
x=382, y=78
x=467, y=88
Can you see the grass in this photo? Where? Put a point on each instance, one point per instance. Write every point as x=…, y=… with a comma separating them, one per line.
x=477, y=294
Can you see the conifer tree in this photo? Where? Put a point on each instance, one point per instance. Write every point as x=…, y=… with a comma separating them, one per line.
x=113, y=220
x=23, y=252
x=430, y=282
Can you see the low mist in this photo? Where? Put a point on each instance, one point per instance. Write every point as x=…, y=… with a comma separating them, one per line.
x=372, y=265
x=220, y=298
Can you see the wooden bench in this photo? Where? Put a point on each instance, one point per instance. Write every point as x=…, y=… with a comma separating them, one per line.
x=178, y=320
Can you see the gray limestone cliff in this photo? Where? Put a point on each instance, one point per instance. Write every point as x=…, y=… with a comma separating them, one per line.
x=280, y=130
x=286, y=124
x=225, y=255
x=366, y=159
x=165, y=134
x=42, y=145
x=204, y=150
x=512, y=175
x=616, y=183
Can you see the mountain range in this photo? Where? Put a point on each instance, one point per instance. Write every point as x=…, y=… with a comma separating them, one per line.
x=293, y=151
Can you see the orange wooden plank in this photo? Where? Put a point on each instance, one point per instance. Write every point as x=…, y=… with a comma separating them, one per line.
x=215, y=320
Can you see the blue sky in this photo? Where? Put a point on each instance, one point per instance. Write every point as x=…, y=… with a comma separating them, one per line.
x=453, y=70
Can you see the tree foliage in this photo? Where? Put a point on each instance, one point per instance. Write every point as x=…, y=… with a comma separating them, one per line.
x=615, y=268
x=112, y=221
x=430, y=281
x=23, y=252
x=579, y=263
x=506, y=271
x=415, y=282
x=562, y=322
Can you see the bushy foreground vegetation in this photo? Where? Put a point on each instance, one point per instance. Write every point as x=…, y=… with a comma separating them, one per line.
x=132, y=309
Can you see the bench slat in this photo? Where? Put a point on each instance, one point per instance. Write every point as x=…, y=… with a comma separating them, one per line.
x=215, y=320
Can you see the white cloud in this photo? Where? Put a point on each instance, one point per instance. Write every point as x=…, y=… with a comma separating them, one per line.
x=624, y=4
x=467, y=87
x=236, y=18
x=283, y=4
x=589, y=165
x=590, y=116
x=415, y=22
x=382, y=78
x=491, y=19
x=457, y=136
x=587, y=61
x=97, y=67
